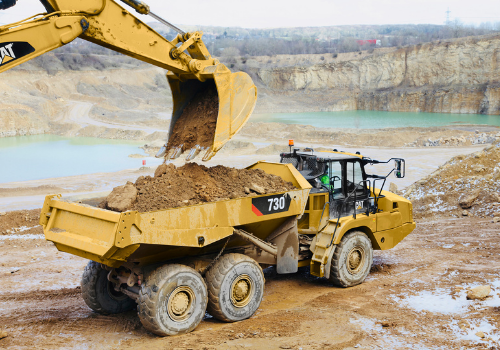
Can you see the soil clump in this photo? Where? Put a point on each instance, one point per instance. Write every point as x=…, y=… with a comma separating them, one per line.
x=196, y=125
x=193, y=184
x=464, y=186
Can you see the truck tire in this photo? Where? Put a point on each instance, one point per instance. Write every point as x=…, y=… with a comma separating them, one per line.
x=99, y=294
x=173, y=300
x=235, y=287
x=352, y=260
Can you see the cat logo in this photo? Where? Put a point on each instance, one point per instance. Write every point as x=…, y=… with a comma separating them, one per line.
x=14, y=50
x=6, y=53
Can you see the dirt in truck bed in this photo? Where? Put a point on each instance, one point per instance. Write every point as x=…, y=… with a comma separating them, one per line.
x=196, y=125
x=191, y=184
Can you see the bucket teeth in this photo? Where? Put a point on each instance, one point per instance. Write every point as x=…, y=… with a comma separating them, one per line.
x=170, y=153
x=176, y=152
x=209, y=154
x=161, y=152
x=193, y=152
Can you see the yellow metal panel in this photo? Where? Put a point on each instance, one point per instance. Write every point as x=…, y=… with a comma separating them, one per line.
x=183, y=237
x=237, y=99
x=86, y=226
x=78, y=241
x=393, y=236
x=348, y=223
x=42, y=35
x=386, y=221
x=232, y=212
x=92, y=212
x=118, y=30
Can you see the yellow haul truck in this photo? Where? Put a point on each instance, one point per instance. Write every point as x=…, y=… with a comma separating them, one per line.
x=178, y=263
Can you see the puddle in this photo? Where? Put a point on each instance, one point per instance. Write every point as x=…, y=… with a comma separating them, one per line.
x=476, y=325
x=442, y=301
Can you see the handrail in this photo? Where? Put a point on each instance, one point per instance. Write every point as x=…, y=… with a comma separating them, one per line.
x=342, y=209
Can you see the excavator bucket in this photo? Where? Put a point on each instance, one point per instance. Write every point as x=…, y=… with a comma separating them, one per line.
x=208, y=114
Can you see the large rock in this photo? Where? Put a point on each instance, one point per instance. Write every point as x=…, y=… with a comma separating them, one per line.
x=478, y=293
x=122, y=197
x=3, y=334
x=257, y=188
x=468, y=200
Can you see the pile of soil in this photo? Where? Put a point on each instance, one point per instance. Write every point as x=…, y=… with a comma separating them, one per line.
x=196, y=125
x=464, y=186
x=191, y=184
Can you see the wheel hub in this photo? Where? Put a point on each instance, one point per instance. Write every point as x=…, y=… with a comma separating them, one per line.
x=355, y=260
x=241, y=291
x=179, y=303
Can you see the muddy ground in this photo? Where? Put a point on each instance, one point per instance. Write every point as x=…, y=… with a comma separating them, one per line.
x=409, y=301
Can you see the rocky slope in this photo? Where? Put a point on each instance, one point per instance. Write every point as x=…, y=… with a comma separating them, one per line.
x=80, y=95
x=79, y=103
x=460, y=76
x=463, y=186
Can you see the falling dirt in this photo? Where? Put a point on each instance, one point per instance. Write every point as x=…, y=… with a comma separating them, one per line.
x=196, y=125
x=194, y=184
x=466, y=185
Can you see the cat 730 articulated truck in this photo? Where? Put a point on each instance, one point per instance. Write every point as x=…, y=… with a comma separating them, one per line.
x=178, y=263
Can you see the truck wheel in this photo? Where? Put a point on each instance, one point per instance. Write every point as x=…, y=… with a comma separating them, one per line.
x=352, y=260
x=235, y=288
x=99, y=294
x=173, y=300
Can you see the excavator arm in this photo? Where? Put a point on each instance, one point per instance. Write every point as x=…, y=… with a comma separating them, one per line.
x=104, y=22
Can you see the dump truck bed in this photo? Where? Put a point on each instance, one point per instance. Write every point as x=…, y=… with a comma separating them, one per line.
x=113, y=238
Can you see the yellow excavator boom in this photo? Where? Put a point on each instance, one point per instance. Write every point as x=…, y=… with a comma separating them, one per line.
x=192, y=70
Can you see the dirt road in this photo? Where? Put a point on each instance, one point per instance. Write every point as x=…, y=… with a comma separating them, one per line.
x=411, y=300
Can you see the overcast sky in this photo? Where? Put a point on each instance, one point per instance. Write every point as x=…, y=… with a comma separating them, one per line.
x=305, y=13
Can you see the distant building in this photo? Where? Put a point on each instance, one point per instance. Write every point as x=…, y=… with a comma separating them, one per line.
x=369, y=42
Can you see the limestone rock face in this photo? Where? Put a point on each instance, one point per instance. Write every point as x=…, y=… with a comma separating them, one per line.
x=456, y=76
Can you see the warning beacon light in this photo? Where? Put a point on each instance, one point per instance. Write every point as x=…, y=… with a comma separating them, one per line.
x=290, y=144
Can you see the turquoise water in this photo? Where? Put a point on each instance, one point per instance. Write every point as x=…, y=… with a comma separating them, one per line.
x=43, y=156
x=375, y=119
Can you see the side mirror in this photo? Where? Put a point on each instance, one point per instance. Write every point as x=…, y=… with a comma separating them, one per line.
x=399, y=168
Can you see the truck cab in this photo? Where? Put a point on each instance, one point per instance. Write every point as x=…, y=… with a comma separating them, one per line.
x=345, y=198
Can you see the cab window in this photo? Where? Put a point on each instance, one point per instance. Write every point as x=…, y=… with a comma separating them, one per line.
x=354, y=178
x=336, y=179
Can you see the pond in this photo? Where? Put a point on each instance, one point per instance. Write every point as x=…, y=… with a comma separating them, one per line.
x=375, y=119
x=44, y=156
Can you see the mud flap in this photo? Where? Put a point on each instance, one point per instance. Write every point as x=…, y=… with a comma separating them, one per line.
x=328, y=264
x=286, y=239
